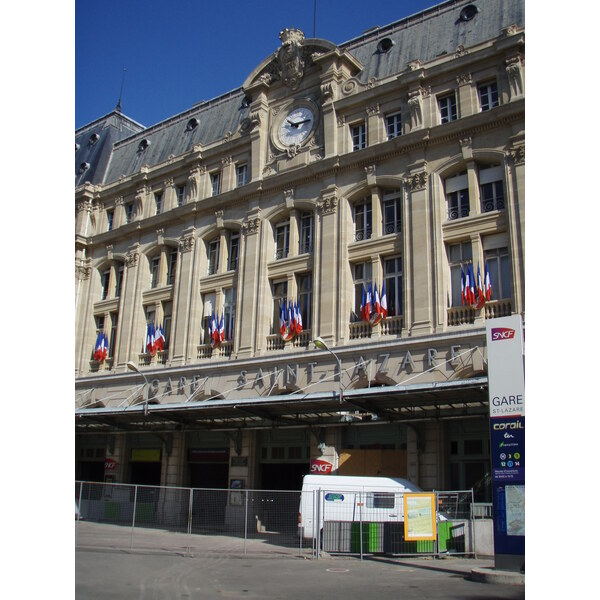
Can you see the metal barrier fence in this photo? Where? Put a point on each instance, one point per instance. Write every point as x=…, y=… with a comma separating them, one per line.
x=196, y=521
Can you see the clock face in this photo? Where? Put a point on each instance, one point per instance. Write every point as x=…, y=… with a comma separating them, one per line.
x=296, y=126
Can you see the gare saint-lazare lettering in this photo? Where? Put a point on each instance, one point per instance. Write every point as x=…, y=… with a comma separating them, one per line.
x=298, y=376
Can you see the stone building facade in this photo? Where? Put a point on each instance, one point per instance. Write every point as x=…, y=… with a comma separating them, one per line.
x=396, y=158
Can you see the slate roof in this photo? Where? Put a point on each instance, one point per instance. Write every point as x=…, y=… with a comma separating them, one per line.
x=423, y=36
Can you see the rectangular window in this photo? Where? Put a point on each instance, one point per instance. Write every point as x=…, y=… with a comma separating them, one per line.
x=491, y=188
x=113, y=334
x=359, y=136
x=380, y=500
x=392, y=213
x=242, y=175
x=362, y=273
x=234, y=251
x=447, y=107
x=215, y=183
x=129, y=212
x=498, y=262
x=488, y=96
x=167, y=311
x=180, y=195
x=154, y=271
x=119, y=271
x=172, y=266
x=392, y=274
x=229, y=313
x=158, y=199
x=305, y=299
x=99, y=323
x=282, y=240
x=279, y=296
x=457, y=196
x=105, y=283
x=393, y=124
x=213, y=256
x=363, y=225
x=306, y=233
x=110, y=215
x=208, y=311
x=460, y=256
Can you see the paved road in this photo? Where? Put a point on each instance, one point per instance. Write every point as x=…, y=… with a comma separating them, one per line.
x=115, y=574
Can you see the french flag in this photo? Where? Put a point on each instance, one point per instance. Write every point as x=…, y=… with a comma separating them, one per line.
x=221, y=329
x=463, y=286
x=281, y=318
x=467, y=287
x=488, y=284
x=101, y=347
x=160, y=339
x=480, y=291
x=376, y=300
x=298, y=319
x=384, y=307
x=151, y=339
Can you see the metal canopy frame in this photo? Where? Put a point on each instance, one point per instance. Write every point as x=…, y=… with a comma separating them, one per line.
x=387, y=404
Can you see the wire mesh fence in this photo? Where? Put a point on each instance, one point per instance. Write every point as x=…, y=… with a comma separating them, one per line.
x=196, y=521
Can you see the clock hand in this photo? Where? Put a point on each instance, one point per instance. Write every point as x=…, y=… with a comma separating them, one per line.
x=294, y=125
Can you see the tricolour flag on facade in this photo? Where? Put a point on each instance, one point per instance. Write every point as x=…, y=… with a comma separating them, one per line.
x=101, y=347
x=463, y=286
x=160, y=339
x=488, y=283
x=384, y=306
x=150, y=339
x=298, y=319
x=480, y=290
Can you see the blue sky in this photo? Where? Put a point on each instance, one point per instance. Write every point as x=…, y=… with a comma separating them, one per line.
x=181, y=52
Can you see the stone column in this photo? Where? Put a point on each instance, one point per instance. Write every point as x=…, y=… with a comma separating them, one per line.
x=374, y=129
x=326, y=255
x=132, y=323
x=182, y=296
x=467, y=96
x=249, y=283
x=419, y=267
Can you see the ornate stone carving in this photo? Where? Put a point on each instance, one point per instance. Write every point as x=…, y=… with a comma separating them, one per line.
x=413, y=65
x=518, y=154
x=83, y=271
x=341, y=120
x=372, y=83
x=289, y=197
x=328, y=204
x=290, y=58
x=251, y=226
x=510, y=30
x=186, y=243
x=417, y=181
x=350, y=86
x=416, y=110
x=371, y=170
x=192, y=186
x=515, y=76
x=109, y=251
x=464, y=79
x=460, y=51
x=327, y=92
x=83, y=205
x=226, y=161
x=131, y=258
x=120, y=201
x=372, y=110
x=169, y=182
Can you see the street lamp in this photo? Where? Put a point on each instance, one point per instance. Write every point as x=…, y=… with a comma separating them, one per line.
x=321, y=345
x=133, y=367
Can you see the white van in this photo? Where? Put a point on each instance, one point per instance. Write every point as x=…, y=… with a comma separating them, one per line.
x=351, y=498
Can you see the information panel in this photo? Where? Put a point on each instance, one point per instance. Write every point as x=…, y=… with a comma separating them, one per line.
x=419, y=517
x=506, y=383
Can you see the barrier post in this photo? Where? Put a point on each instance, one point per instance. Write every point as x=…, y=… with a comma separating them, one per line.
x=133, y=518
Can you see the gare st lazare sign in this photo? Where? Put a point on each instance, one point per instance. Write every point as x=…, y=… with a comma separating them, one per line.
x=397, y=367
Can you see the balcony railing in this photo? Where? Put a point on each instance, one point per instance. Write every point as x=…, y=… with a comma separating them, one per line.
x=492, y=204
x=223, y=350
x=391, y=325
x=360, y=329
x=465, y=315
x=455, y=212
x=362, y=234
x=498, y=308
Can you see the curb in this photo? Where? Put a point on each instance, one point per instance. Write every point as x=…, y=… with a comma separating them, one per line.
x=491, y=575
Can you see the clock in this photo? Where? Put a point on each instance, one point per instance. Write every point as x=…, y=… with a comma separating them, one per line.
x=295, y=125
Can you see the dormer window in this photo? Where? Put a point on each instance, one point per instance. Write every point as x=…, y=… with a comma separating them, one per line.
x=385, y=45
x=76, y=146
x=83, y=167
x=94, y=138
x=468, y=13
x=192, y=124
x=143, y=145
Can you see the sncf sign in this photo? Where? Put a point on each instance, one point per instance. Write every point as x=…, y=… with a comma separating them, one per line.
x=320, y=467
x=502, y=333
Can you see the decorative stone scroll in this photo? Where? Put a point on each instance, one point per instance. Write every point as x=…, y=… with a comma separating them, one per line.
x=515, y=76
x=518, y=154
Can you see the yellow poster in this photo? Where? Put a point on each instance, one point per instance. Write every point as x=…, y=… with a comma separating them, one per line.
x=419, y=517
